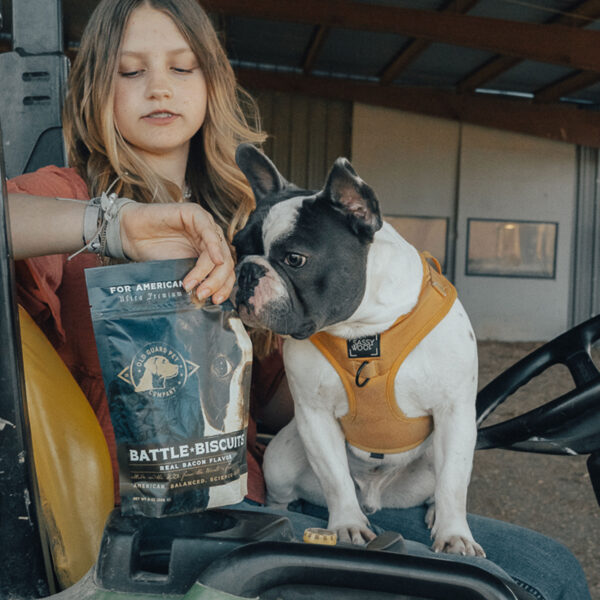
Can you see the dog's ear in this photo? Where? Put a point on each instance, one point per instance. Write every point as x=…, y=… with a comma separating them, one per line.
x=262, y=174
x=350, y=195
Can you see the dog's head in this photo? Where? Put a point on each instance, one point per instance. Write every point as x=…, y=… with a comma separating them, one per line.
x=157, y=369
x=162, y=367
x=302, y=256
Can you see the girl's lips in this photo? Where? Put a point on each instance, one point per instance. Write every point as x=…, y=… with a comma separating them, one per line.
x=160, y=117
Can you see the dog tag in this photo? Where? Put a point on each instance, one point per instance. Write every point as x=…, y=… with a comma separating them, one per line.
x=364, y=347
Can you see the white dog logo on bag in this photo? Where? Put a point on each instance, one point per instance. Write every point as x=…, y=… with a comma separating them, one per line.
x=158, y=370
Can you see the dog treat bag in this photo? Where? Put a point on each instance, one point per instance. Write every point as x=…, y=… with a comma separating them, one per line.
x=177, y=378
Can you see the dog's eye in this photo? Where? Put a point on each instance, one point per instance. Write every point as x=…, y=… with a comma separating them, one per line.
x=294, y=260
x=221, y=366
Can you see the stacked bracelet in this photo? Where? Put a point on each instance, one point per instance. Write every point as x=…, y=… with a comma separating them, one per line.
x=102, y=226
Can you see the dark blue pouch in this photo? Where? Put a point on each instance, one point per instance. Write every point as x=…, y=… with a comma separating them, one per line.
x=177, y=378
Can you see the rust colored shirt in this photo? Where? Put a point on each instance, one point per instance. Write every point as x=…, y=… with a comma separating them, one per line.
x=53, y=291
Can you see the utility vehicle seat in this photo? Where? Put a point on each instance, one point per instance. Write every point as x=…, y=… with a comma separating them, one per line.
x=71, y=458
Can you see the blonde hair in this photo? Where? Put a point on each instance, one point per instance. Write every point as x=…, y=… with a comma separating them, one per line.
x=101, y=155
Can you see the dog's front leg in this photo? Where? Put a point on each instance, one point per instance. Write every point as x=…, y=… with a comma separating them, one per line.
x=325, y=448
x=453, y=446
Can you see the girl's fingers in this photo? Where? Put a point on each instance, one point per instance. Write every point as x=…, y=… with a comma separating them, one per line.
x=224, y=292
x=210, y=279
x=203, y=267
x=214, y=240
x=218, y=283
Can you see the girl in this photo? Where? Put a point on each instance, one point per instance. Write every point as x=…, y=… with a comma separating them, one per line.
x=152, y=112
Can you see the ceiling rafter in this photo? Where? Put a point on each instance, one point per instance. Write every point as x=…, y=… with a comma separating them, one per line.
x=318, y=38
x=556, y=44
x=559, y=122
x=580, y=15
x=566, y=85
x=490, y=70
x=416, y=47
x=585, y=10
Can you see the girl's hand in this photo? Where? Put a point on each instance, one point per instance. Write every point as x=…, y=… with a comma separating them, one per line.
x=165, y=231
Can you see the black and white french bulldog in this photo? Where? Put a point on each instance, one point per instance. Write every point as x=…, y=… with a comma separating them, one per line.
x=325, y=261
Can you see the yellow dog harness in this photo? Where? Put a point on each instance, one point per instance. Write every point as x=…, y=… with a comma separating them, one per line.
x=367, y=367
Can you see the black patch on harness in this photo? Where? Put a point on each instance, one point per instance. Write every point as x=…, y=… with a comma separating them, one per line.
x=364, y=347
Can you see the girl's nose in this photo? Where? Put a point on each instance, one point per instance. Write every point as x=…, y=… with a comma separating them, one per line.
x=158, y=85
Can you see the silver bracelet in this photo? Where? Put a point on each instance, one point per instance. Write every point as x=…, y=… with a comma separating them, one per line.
x=102, y=226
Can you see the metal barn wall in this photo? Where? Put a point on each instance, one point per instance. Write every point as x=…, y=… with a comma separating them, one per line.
x=411, y=162
x=428, y=167
x=306, y=134
x=585, y=274
x=512, y=176
x=431, y=167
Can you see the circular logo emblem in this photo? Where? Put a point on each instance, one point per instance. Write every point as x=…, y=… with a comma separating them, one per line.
x=158, y=370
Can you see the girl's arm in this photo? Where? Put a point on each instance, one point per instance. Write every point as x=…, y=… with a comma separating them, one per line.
x=43, y=225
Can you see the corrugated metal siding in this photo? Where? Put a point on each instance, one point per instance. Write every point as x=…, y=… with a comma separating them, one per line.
x=306, y=134
x=585, y=301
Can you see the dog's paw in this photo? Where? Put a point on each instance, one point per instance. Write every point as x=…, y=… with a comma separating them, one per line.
x=353, y=532
x=458, y=544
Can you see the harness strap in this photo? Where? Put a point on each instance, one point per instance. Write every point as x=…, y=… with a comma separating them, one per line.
x=374, y=421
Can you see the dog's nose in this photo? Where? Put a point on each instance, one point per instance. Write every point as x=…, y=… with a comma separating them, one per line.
x=249, y=275
x=247, y=278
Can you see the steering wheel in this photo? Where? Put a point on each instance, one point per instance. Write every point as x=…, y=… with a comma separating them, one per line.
x=569, y=424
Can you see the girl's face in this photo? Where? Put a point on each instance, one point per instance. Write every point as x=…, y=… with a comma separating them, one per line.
x=160, y=91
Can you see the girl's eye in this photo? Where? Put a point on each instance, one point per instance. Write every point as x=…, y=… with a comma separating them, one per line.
x=180, y=70
x=296, y=261
x=129, y=74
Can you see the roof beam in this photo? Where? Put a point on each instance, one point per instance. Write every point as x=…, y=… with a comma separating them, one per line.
x=416, y=47
x=490, y=70
x=566, y=86
x=406, y=56
x=556, y=44
x=316, y=43
x=559, y=122
x=579, y=16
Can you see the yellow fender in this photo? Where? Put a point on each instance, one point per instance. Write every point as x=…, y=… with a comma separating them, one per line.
x=71, y=457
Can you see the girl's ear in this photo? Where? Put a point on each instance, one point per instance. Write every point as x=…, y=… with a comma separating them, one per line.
x=262, y=174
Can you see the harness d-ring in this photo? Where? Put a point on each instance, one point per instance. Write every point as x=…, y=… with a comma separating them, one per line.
x=364, y=381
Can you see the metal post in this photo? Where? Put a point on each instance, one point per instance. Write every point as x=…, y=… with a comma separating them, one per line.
x=33, y=77
x=22, y=566
x=37, y=27
x=33, y=80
